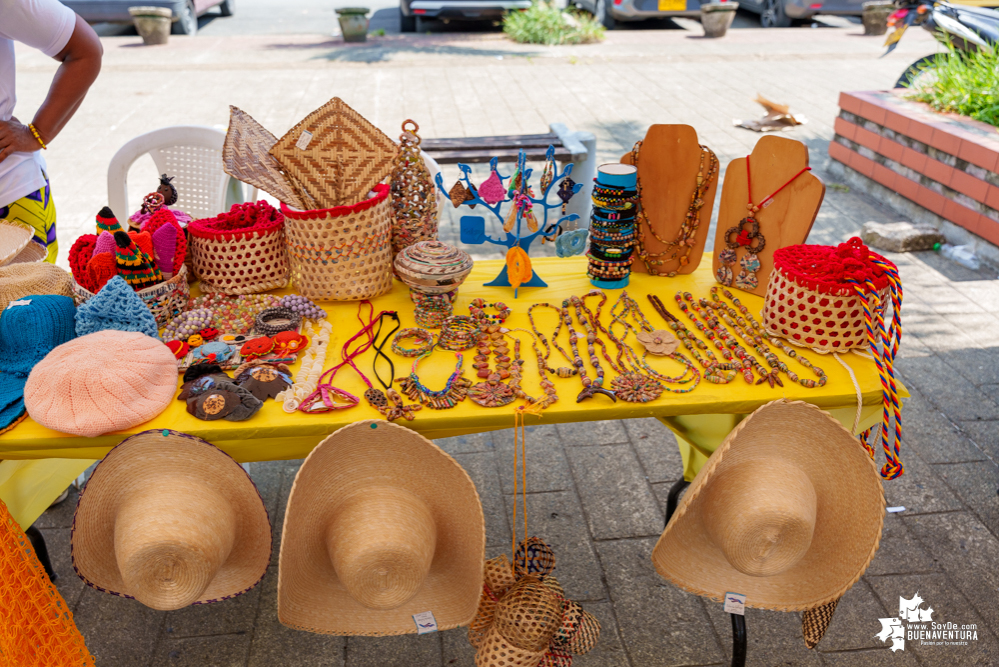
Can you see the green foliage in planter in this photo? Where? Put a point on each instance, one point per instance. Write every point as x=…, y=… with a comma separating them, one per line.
x=964, y=83
x=544, y=23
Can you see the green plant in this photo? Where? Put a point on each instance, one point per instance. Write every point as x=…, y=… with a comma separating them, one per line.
x=962, y=82
x=544, y=23
x=380, y=32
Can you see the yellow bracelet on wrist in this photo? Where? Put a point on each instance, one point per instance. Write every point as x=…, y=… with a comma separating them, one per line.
x=34, y=131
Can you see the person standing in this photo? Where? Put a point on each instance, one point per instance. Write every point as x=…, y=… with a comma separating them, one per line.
x=58, y=32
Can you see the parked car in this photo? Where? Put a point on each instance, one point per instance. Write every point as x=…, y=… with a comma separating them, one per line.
x=780, y=13
x=412, y=12
x=773, y=13
x=185, y=12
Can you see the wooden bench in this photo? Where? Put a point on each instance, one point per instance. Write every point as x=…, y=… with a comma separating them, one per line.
x=578, y=148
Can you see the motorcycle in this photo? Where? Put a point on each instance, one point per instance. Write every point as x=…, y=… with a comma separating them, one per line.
x=961, y=27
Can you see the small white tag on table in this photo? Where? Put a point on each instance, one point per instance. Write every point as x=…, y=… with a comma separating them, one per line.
x=304, y=140
x=425, y=622
x=893, y=510
x=22, y=302
x=735, y=603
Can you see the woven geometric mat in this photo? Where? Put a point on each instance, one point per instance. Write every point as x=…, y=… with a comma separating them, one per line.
x=335, y=154
x=245, y=157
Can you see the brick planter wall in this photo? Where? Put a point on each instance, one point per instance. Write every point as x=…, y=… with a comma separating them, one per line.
x=930, y=167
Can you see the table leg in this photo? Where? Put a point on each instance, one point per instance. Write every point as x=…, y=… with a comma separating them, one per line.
x=673, y=499
x=738, y=640
x=41, y=551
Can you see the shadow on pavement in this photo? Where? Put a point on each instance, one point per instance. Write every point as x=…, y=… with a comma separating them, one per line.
x=380, y=49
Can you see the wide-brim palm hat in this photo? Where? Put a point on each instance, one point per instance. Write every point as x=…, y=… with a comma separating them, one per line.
x=788, y=511
x=170, y=520
x=381, y=524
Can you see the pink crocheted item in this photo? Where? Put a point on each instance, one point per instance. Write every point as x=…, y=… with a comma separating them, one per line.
x=105, y=243
x=139, y=219
x=492, y=191
x=101, y=268
x=102, y=382
x=240, y=221
x=829, y=269
x=79, y=255
x=165, y=248
x=167, y=218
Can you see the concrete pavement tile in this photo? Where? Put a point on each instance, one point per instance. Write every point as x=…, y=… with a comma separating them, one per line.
x=850, y=627
x=968, y=553
x=60, y=516
x=985, y=434
x=949, y=606
x=656, y=448
x=609, y=651
x=70, y=585
x=557, y=518
x=661, y=491
x=482, y=469
x=457, y=651
x=880, y=657
x=397, y=651
x=961, y=401
x=919, y=489
x=991, y=390
x=466, y=444
x=267, y=475
x=277, y=644
x=946, y=299
x=214, y=651
x=977, y=484
x=119, y=632
x=660, y=624
x=219, y=618
x=977, y=365
x=899, y=551
x=277, y=519
x=547, y=468
x=616, y=496
x=928, y=430
x=771, y=636
x=582, y=434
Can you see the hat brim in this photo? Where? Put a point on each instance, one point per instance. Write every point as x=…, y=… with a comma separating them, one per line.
x=850, y=512
x=378, y=453
x=143, y=460
x=12, y=409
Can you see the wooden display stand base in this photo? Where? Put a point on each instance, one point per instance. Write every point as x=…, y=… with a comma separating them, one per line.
x=669, y=159
x=789, y=216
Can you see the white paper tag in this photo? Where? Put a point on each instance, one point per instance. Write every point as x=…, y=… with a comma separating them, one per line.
x=425, y=622
x=22, y=302
x=767, y=203
x=735, y=603
x=303, y=141
x=893, y=510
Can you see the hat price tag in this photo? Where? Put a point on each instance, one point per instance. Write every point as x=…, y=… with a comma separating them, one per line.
x=304, y=140
x=22, y=302
x=735, y=603
x=425, y=622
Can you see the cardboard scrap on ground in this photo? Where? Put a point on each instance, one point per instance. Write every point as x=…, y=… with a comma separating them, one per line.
x=777, y=118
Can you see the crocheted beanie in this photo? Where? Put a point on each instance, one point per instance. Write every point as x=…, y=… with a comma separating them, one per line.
x=105, y=381
x=118, y=307
x=105, y=243
x=134, y=265
x=28, y=332
x=106, y=222
x=25, y=279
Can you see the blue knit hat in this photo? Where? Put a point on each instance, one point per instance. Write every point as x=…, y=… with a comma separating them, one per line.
x=118, y=307
x=30, y=328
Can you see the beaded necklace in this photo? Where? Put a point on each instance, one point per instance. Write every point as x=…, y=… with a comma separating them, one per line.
x=756, y=334
x=455, y=389
x=563, y=371
x=493, y=392
x=517, y=376
x=594, y=386
x=747, y=360
x=715, y=371
x=684, y=241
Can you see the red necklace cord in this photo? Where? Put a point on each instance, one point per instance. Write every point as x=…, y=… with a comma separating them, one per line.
x=749, y=187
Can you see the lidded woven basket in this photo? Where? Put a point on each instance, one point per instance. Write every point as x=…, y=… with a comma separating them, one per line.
x=812, y=299
x=242, y=251
x=342, y=253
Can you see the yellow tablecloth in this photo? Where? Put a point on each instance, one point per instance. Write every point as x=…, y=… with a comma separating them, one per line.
x=701, y=418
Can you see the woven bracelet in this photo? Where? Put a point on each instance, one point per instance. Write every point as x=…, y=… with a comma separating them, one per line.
x=273, y=321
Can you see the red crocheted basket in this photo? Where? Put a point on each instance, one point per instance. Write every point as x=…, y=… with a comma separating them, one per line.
x=242, y=251
x=811, y=300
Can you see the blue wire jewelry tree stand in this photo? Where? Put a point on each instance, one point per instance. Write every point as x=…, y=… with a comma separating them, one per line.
x=473, y=227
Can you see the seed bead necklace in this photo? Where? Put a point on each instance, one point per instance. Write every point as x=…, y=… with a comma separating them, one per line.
x=715, y=371
x=454, y=390
x=517, y=375
x=721, y=335
x=759, y=334
x=629, y=307
x=684, y=242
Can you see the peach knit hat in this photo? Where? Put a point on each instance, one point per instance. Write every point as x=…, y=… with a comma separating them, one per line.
x=105, y=381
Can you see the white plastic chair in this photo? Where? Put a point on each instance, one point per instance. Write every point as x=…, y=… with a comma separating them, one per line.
x=192, y=154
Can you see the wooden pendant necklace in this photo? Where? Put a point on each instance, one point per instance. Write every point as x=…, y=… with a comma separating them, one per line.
x=684, y=242
x=492, y=392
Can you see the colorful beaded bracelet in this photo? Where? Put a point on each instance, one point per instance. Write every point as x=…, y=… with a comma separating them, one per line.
x=422, y=336
x=459, y=333
x=273, y=321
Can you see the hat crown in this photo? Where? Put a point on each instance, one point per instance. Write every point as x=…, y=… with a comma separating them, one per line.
x=761, y=515
x=171, y=538
x=31, y=331
x=116, y=306
x=381, y=542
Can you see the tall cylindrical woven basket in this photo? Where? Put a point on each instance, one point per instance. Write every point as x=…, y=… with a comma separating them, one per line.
x=242, y=251
x=342, y=253
x=812, y=300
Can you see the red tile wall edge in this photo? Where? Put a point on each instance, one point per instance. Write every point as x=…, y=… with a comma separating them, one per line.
x=844, y=128
x=967, y=184
x=841, y=153
x=988, y=229
x=849, y=102
x=978, y=155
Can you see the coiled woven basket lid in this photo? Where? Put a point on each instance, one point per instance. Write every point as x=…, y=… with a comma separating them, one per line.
x=170, y=520
x=788, y=512
x=381, y=524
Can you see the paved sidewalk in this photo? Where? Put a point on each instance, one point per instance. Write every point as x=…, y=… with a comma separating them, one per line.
x=597, y=489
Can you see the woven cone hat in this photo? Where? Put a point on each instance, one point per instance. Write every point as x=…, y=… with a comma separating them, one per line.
x=170, y=520
x=381, y=524
x=788, y=512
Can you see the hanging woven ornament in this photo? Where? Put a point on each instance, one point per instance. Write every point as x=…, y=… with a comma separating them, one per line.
x=414, y=196
x=492, y=191
x=547, y=176
x=566, y=189
x=518, y=267
x=459, y=194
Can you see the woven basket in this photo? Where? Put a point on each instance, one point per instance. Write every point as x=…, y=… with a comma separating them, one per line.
x=164, y=300
x=342, y=253
x=810, y=301
x=242, y=251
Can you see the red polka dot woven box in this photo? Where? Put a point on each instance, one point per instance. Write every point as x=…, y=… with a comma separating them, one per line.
x=242, y=251
x=812, y=298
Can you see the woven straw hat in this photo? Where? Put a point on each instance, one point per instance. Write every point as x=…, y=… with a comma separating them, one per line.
x=18, y=280
x=14, y=238
x=788, y=512
x=102, y=382
x=170, y=520
x=381, y=524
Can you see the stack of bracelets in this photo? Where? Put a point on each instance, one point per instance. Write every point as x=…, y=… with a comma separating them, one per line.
x=431, y=310
x=612, y=225
x=459, y=333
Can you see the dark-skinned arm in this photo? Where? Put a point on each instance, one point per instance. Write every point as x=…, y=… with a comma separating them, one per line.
x=81, y=63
